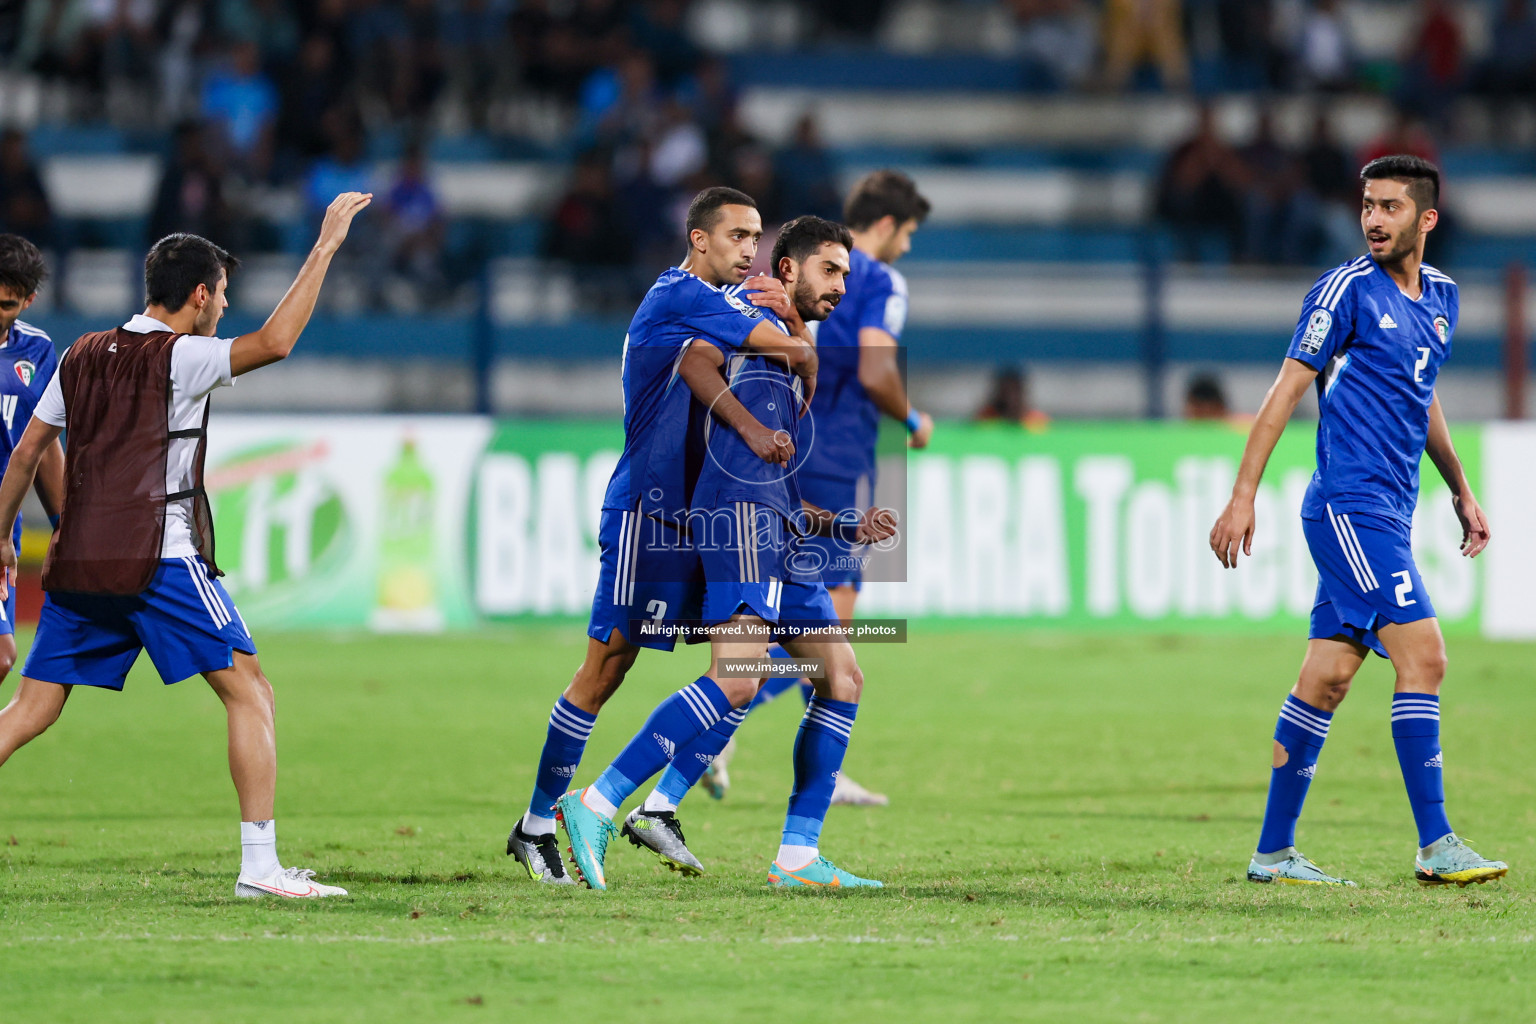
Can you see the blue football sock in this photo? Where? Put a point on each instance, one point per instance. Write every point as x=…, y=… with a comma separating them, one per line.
x=1301, y=730
x=687, y=768
x=1416, y=734
x=569, y=727
x=819, y=749
x=773, y=686
x=676, y=722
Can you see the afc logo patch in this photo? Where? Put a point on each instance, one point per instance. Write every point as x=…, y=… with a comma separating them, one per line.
x=1318, y=326
x=1443, y=328
x=743, y=307
x=25, y=370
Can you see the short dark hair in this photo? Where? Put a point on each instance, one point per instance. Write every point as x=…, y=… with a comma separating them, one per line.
x=177, y=264
x=801, y=237
x=21, y=266
x=885, y=193
x=704, y=211
x=1421, y=177
x=1205, y=388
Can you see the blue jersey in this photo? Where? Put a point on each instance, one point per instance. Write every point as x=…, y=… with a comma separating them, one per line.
x=732, y=472
x=847, y=423
x=27, y=364
x=663, y=426
x=1378, y=353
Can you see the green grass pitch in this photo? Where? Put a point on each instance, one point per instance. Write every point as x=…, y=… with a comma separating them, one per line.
x=1070, y=822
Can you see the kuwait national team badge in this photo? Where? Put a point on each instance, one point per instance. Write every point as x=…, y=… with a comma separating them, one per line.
x=1443, y=328
x=25, y=370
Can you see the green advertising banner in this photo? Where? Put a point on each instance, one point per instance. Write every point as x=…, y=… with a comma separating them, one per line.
x=440, y=522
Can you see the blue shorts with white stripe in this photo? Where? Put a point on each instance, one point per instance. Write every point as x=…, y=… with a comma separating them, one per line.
x=184, y=619
x=748, y=553
x=647, y=571
x=1366, y=576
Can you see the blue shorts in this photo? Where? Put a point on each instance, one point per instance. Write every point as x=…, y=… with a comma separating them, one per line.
x=1366, y=577
x=836, y=562
x=748, y=555
x=184, y=619
x=648, y=570
x=8, y=610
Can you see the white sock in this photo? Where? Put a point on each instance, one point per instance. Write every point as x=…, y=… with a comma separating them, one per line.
x=793, y=858
x=659, y=801
x=597, y=802
x=258, y=849
x=535, y=825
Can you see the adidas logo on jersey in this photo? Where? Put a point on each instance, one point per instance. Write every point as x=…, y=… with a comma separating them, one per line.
x=667, y=746
x=1309, y=772
x=1387, y=321
x=1435, y=762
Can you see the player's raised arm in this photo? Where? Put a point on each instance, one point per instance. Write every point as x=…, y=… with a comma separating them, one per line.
x=30, y=451
x=276, y=338
x=1234, y=529
x=1474, y=523
x=700, y=370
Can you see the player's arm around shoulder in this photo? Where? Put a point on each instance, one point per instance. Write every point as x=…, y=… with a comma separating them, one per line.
x=277, y=337
x=700, y=370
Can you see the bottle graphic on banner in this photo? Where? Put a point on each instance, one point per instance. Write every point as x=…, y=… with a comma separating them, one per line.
x=407, y=594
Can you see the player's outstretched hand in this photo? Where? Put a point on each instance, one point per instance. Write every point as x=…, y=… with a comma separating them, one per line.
x=877, y=525
x=338, y=218
x=924, y=432
x=772, y=446
x=7, y=567
x=768, y=291
x=1474, y=525
x=1233, y=532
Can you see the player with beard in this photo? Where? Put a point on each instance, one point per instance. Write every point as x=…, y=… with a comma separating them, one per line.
x=1372, y=337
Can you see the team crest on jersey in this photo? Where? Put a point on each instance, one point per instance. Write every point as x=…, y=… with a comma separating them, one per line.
x=742, y=306
x=1318, y=325
x=1443, y=328
x=26, y=371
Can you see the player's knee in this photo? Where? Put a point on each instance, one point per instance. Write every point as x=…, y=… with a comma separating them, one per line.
x=846, y=683
x=7, y=662
x=1427, y=671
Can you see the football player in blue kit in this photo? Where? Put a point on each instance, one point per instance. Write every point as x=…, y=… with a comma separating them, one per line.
x=1372, y=337
x=27, y=364
x=746, y=524
x=649, y=574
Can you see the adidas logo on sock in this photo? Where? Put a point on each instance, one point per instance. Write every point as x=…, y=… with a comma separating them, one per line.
x=1435, y=762
x=1309, y=772
x=1387, y=321
x=667, y=746
x=706, y=758
x=565, y=771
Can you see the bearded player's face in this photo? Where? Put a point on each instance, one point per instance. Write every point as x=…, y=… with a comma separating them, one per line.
x=821, y=282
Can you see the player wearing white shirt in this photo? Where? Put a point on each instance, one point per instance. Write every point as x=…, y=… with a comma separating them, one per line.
x=93, y=627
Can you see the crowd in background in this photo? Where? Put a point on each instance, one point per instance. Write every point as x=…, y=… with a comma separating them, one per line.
x=256, y=95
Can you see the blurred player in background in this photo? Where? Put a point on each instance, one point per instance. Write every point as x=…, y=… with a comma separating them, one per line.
x=747, y=522
x=860, y=379
x=27, y=364
x=132, y=567
x=1372, y=337
x=649, y=572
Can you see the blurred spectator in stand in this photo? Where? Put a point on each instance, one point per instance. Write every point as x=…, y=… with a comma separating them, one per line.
x=270, y=24
x=1325, y=52
x=343, y=168
x=679, y=150
x=1275, y=228
x=1247, y=31
x=1008, y=401
x=1200, y=190
x=239, y=106
x=1138, y=33
x=191, y=193
x=419, y=72
x=413, y=234
x=24, y=206
x=121, y=33
x=476, y=38
x=806, y=174
x=1332, y=192
x=184, y=27
x=590, y=232
x=1433, y=72
x=1204, y=399
x=309, y=92
x=1508, y=72
x=711, y=94
x=1057, y=41
x=620, y=103
x=656, y=26
x=1405, y=134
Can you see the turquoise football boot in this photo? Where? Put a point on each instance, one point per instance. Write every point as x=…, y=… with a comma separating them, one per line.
x=588, y=832
x=820, y=872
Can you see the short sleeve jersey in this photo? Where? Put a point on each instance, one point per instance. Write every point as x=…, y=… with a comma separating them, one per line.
x=27, y=365
x=732, y=472
x=663, y=426
x=846, y=421
x=1378, y=354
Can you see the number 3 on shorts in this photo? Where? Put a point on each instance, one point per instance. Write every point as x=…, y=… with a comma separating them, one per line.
x=1404, y=589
